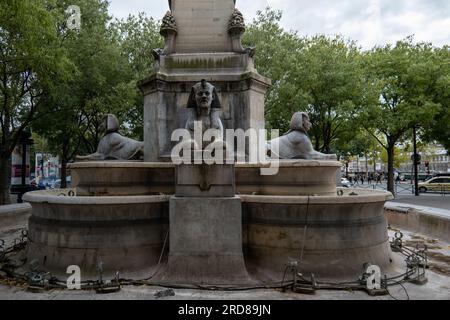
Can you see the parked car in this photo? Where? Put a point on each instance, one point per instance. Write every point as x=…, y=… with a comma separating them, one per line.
x=57, y=183
x=345, y=183
x=439, y=184
x=47, y=182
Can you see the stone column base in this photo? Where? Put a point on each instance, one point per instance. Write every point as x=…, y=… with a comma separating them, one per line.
x=206, y=242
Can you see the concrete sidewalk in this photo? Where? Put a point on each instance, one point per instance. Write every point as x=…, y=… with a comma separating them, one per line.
x=432, y=200
x=405, y=207
x=420, y=219
x=14, y=215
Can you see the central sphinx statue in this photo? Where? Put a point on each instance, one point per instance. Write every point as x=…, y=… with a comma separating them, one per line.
x=204, y=106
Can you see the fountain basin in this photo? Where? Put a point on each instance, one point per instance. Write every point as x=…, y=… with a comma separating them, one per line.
x=125, y=234
x=331, y=236
x=114, y=178
x=295, y=177
x=298, y=214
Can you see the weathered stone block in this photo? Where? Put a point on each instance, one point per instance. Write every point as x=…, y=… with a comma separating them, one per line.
x=205, y=180
x=206, y=241
x=202, y=25
x=165, y=105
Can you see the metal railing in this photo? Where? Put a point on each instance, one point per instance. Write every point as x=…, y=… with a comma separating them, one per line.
x=399, y=188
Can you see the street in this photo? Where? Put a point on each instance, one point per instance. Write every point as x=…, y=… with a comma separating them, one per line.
x=404, y=194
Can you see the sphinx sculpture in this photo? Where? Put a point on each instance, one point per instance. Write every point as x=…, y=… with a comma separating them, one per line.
x=204, y=106
x=114, y=146
x=296, y=144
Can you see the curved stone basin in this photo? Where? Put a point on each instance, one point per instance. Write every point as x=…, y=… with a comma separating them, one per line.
x=298, y=214
x=332, y=236
x=115, y=178
x=295, y=177
x=125, y=234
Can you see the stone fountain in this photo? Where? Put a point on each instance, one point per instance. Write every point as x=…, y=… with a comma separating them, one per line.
x=198, y=223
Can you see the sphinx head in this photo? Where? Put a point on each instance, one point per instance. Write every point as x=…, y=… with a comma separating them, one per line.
x=109, y=124
x=300, y=121
x=204, y=98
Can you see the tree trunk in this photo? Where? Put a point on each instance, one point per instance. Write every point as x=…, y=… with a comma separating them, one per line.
x=391, y=154
x=317, y=143
x=63, y=172
x=327, y=143
x=367, y=164
x=64, y=160
x=5, y=180
x=374, y=163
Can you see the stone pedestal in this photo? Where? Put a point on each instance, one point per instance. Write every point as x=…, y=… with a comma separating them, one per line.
x=200, y=181
x=206, y=241
x=203, y=41
x=241, y=91
x=205, y=227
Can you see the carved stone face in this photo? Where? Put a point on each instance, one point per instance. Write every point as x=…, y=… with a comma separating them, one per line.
x=300, y=121
x=204, y=98
x=306, y=124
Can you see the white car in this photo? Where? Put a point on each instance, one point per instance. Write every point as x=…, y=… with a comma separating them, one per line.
x=57, y=183
x=345, y=183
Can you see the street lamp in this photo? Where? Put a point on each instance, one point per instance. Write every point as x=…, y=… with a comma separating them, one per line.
x=20, y=175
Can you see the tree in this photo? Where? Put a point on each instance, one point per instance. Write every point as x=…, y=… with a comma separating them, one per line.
x=404, y=76
x=355, y=142
x=102, y=85
x=137, y=37
x=31, y=62
x=276, y=56
x=439, y=129
x=329, y=73
x=320, y=75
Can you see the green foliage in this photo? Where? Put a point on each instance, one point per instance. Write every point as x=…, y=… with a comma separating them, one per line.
x=329, y=74
x=439, y=130
x=110, y=57
x=320, y=75
x=405, y=76
x=354, y=143
x=99, y=85
x=62, y=82
x=32, y=61
x=276, y=53
x=137, y=37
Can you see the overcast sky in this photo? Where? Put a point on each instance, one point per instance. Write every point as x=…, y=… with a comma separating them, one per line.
x=370, y=22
